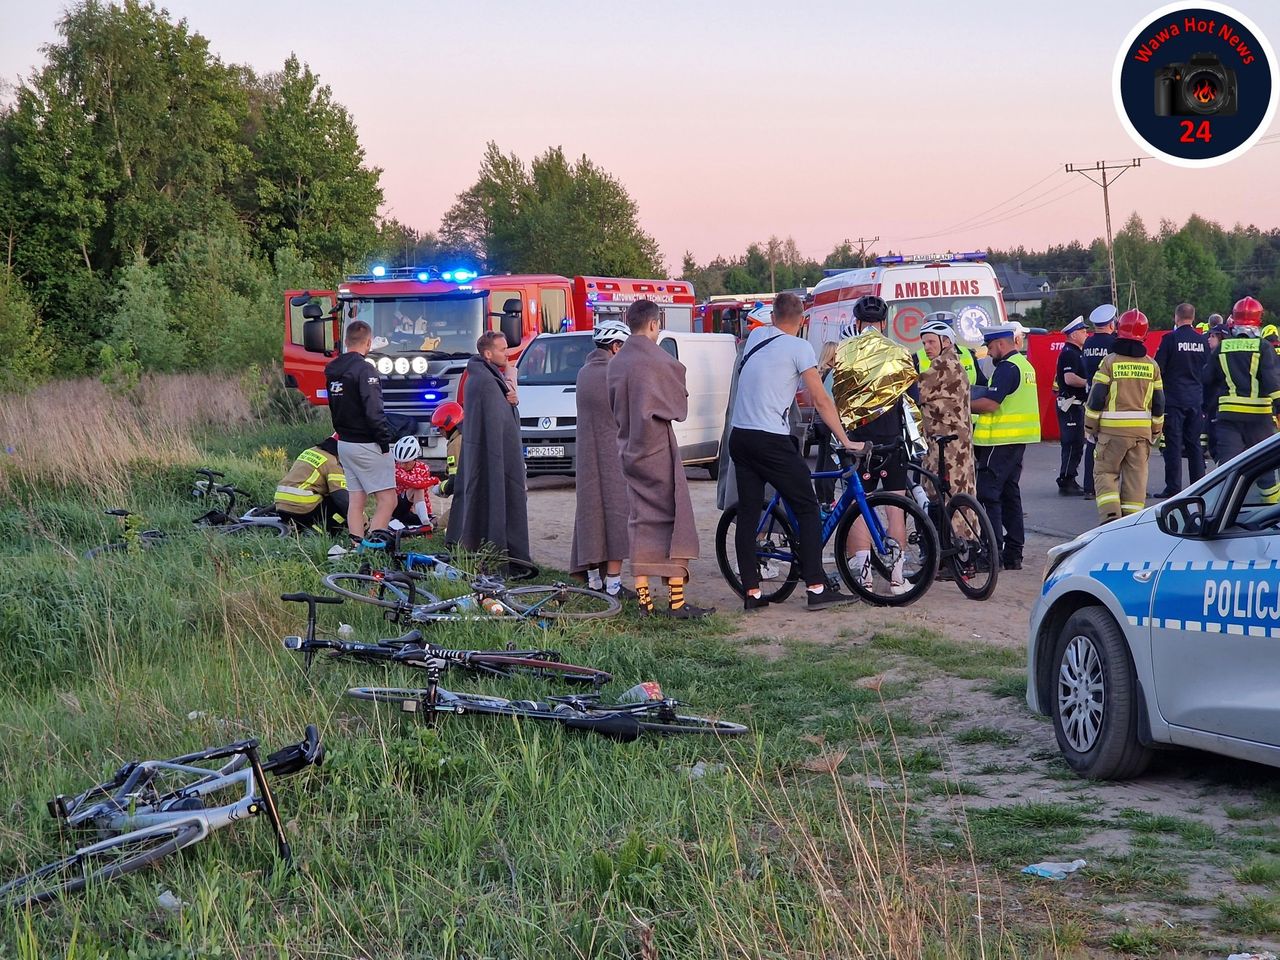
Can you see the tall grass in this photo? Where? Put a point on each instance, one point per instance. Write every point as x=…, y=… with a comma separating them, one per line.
x=72, y=434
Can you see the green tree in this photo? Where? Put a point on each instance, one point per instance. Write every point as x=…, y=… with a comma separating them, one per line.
x=27, y=357
x=314, y=191
x=142, y=327
x=1193, y=272
x=553, y=216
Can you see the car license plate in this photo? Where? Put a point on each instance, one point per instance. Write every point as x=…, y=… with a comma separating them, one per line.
x=531, y=452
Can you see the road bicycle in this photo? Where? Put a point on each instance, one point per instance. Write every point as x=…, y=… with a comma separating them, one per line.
x=777, y=546
x=410, y=649
x=969, y=554
x=130, y=539
x=424, y=566
x=152, y=808
x=489, y=599
x=644, y=709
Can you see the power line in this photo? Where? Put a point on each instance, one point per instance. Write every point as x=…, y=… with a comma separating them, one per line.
x=1103, y=168
x=982, y=213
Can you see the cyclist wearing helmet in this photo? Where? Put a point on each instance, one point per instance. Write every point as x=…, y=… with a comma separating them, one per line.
x=600, y=539
x=963, y=353
x=775, y=362
x=944, y=408
x=413, y=479
x=1244, y=381
x=870, y=315
x=313, y=494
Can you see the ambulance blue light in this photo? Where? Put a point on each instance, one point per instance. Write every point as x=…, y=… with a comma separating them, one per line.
x=423, y=276
x=379, y=270
x=462, y=276
x=447, y=276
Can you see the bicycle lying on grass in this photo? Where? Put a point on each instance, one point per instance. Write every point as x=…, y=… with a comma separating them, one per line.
x=778, y=547
x=427, y=566
x=644, y=708
x=152, y=808
x=966, y=537
x=489, y=599
x=411, y=650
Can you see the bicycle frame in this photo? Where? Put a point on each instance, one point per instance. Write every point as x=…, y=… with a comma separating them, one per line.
x=853, y=494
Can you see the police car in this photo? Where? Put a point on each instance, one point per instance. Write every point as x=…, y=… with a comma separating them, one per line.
x=1162, y=629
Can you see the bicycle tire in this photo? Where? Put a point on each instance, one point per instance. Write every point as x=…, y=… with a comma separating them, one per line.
x=605, y=606
x=726, y=554
x=380, y=591
x=55, y=879
x=698, y=726
x=925, y=554
x=147, y=538
x=269, y=530
x=982, y=551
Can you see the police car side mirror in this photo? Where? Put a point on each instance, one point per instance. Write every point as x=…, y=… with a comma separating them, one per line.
x=313, y=336
x=1182, y=517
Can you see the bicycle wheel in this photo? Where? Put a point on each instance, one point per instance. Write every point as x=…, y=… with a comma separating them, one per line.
x=103, y=861
x=976, y=561
x=676, y=724
x=147, y=538
x=559, y=601
x=373, y=588
x=777, y=552
x=903, y=572
x=267, y=531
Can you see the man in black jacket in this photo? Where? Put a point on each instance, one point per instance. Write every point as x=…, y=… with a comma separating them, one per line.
x=1070, y=383
x=364, y=435
x=1182, y=356
x=1100, y=343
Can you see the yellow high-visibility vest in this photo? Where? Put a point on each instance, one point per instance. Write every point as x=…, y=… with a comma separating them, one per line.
x=966, y=360
x=1018, y=418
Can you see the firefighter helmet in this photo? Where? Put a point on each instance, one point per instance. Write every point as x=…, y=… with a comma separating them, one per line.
x=448, y=416
x=1132, y=326
x=1271, y=332
x=1246, y=313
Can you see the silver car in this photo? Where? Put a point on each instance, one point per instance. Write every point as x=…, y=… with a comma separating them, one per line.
x=1163, y=629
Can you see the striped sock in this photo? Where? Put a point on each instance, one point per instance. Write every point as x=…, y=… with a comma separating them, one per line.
x=642, y=593
x=676, y=586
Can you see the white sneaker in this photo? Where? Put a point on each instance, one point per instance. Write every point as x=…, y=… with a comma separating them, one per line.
x=337, y=551
x=395, y=525
x=769, y=571
x=898, y=581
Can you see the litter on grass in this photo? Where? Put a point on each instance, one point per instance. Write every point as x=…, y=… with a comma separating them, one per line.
x=1054, y=870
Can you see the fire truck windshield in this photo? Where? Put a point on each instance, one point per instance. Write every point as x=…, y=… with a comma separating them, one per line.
x=446, y=325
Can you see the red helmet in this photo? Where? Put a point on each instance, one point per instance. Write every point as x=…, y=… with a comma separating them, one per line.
x=1246, y=313
x=448, y=416
x=1132, y=325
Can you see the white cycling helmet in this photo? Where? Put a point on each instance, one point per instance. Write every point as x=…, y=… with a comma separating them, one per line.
x=939, y=327
x=407, y=449
x=848, y=329
x=610, y=331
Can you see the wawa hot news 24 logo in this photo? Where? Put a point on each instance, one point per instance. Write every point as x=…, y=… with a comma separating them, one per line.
x=1197, y=85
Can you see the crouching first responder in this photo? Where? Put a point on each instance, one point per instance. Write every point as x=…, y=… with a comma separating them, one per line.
x=1123, y=417
x=314, y=491
x=1244, y=386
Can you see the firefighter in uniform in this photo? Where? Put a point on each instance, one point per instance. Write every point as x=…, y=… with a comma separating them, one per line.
x=1123, y=418
x=1008, y=418
x=447, y=418
x=1071, y=387
x=1271, y=334
x=314, y=491
x=1244, y=381
x=968, y=362
x=1182, y=356
x=1095, y=350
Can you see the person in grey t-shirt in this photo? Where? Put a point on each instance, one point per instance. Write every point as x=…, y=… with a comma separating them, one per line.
x=775, y=362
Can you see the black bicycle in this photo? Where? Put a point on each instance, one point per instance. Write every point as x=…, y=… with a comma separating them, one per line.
x=969, y=554
x=132, y=538
x=643, y=709
x=410, y=649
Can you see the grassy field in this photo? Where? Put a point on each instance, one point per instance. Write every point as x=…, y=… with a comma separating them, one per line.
x=482, y=838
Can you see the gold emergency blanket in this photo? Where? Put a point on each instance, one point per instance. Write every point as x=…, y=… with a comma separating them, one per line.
x=871, y=375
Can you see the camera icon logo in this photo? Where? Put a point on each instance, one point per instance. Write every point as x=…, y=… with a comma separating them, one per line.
x=1201, y=87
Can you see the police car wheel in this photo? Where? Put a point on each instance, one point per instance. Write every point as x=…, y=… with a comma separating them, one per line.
x=1095, y=700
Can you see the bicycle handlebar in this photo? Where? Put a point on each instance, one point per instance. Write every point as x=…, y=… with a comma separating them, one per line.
x=210, y=474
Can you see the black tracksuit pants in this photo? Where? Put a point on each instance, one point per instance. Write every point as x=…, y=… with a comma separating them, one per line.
x=1000, y=493
x=761, y=458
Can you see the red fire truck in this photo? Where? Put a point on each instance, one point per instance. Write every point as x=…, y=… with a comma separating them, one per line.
x=425, y=325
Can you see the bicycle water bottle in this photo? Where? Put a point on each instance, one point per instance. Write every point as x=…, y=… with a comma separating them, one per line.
x=922, y=498
x=465, y=604
x=493, y=606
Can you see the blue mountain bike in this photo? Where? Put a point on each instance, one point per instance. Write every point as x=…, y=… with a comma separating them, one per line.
x=896, y=573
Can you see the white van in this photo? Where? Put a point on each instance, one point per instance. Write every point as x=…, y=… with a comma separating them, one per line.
x=548, y=375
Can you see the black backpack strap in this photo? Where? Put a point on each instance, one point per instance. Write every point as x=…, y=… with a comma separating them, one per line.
x=757, y=348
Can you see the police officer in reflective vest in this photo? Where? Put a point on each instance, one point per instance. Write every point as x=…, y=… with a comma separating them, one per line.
x=1123, y=418
x=1008, y=419
x=1181, y=357
x=1072, y=387
x=967, y=360
x=1095, y=350
x=1244, y=380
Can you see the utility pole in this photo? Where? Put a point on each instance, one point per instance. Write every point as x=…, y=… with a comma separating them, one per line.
x=862, y=246
x=1103, y=168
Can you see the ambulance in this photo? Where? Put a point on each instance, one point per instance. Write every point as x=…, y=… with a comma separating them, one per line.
x=912, y=286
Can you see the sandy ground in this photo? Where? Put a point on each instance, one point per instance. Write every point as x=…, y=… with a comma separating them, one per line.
x=1198, y=788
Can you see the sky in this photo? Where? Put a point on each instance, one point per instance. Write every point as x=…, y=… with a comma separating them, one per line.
x=932, y=125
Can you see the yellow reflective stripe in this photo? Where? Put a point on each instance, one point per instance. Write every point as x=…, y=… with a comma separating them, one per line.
x=1108, y=498
x=1111, y=414
x=1101, y=377
x=1146, y=422
x=1245, y=405
x=338, y=481
x=1132, y=507
x=302, y=499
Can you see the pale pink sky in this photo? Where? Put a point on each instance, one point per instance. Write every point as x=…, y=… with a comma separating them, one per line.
x=729, y=121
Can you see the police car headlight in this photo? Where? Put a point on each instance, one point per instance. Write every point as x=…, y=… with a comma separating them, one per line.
x=418, y=364
x=402, y=365
x=385, y=365
x=1063, y=550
